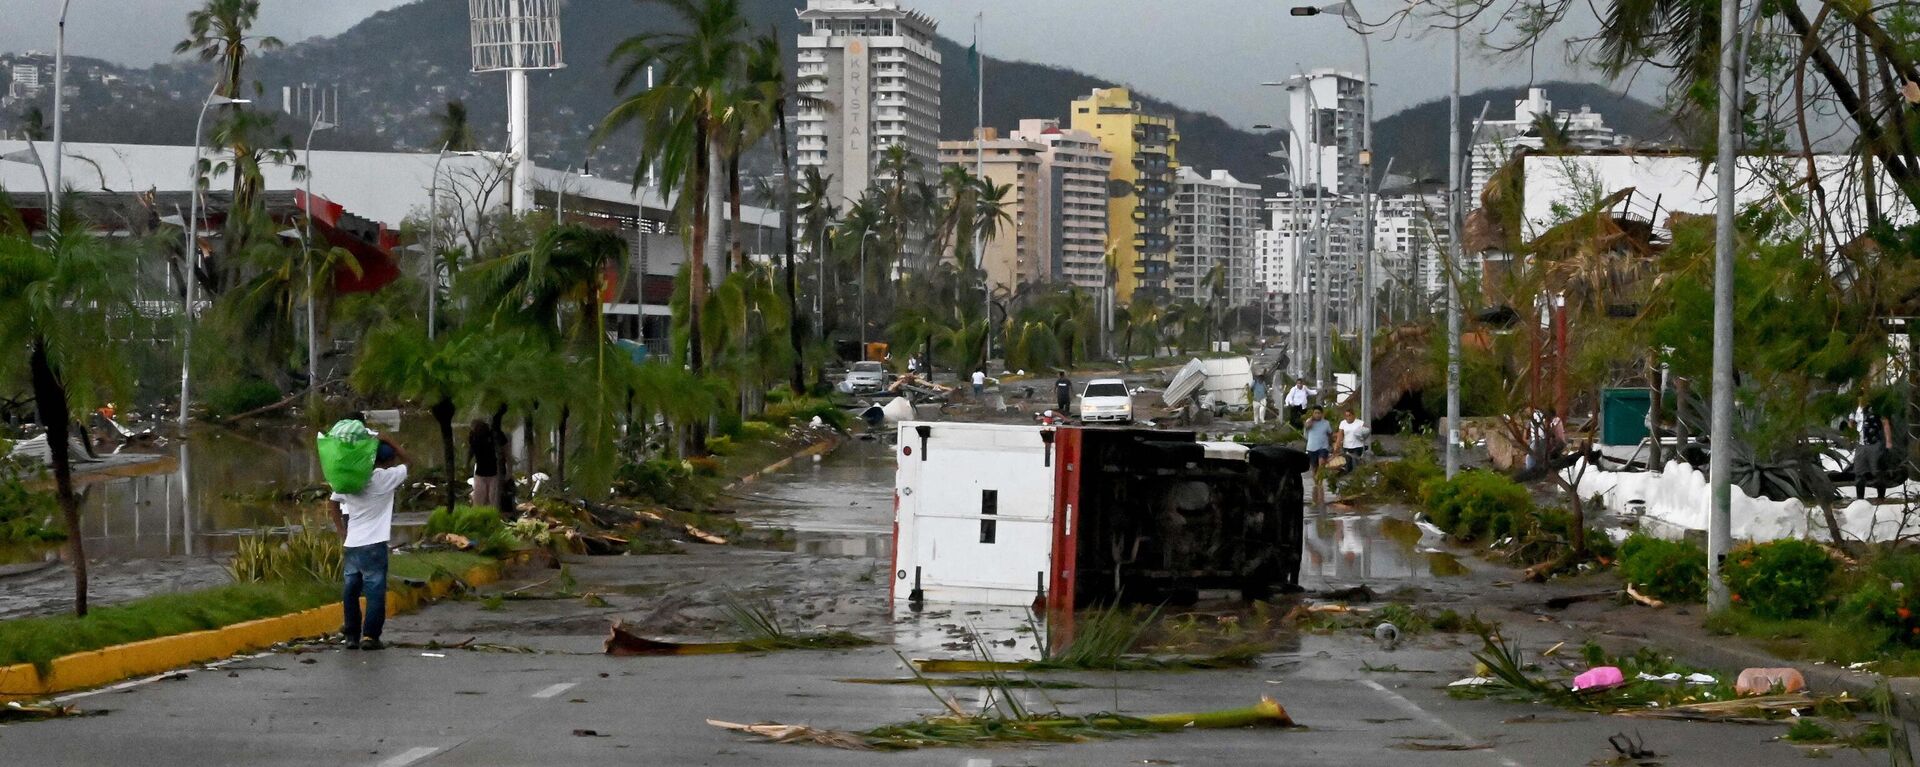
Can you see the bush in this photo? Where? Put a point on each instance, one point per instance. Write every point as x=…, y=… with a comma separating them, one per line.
x=1884, y=596
x=760, y=431
x=803, y=410
x=1400, y=480
x=1477, y=503
x=311, y=554
x=1782, y=579
x=26, y=515
x=240, y=396
x=480, y=525
x=1674, y=571
x=660, y=480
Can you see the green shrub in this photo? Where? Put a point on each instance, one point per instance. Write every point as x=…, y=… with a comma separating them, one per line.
x=1477, y=504
x=1674, y=571
x=480, y=525
x=802, y=410
x=1275, y=432
x=1400, y=480
x=760, y=431
x=311, y=554
x=659, y=480
x=239, y=396
x=1882, y=596
x=26, y=515
x=721, y=445
x=1781, y=579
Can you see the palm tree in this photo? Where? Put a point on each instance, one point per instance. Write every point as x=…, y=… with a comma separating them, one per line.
x=766, y=68
x=57, y=297
x=683, y=118
x=398, y=360
x=817, y=208
x=455, y=133
x=221, y=31
x=556, y=285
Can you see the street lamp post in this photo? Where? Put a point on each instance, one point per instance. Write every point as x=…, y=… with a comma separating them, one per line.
x=864, y=234
x=1454, y=227
x=191, y=258
x=59, y=118
x=306, y=239
x=1720, y=462
x=1351, y=15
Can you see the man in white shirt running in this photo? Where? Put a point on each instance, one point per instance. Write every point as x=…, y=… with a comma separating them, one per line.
x=1296, y=402
x=365, y=521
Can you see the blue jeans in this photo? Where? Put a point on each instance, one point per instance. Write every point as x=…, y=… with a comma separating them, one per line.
x=366, y=571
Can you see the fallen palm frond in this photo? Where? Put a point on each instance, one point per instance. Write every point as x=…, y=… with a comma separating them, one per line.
x=971, y=730
x=1241, y=656
x=763, y=630
x=965, y=681
x=1765, y=709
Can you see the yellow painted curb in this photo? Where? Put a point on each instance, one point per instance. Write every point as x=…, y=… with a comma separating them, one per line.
x=106, y=665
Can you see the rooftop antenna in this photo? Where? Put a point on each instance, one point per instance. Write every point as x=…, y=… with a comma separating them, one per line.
x=516, y=36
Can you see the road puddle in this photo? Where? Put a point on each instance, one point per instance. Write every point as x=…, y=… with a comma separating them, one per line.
x=1347, y=547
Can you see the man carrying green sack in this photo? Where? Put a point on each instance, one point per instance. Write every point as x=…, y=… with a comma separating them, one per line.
x=346, y=454
x=364, y=520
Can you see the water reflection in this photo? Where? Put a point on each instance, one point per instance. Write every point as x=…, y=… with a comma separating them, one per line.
x=1345, y=548
x=196, y=497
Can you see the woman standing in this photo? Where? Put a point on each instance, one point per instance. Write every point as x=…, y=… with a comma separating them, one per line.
x=484, y=448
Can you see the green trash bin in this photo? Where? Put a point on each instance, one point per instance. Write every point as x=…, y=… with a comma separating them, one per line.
x=1623, y=415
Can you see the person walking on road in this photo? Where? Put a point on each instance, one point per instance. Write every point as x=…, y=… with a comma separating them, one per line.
x=1296, y=401
x=1063, y=393
x=1354, y=434
x=365, y=522
x=979, y=382
x=1319, y=434
x=1259, y=398
x=1876, y=439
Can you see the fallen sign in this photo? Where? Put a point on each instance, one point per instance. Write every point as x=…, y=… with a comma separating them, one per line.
x=963, y=730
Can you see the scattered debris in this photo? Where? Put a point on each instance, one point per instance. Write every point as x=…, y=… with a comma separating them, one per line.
x=1387, y=635
x=765, y=634
x=590, y=734
x=1643, y=599
x=967, y=681
x=33, y=712
x=959, y=729
x=1599, y=678
x=1763, y=681
x=1634, y=747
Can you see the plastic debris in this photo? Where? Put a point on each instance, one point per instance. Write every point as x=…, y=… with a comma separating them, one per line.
x=1598, y=678
x=1768, y=681
x=1472, y=681
x=1387, y=634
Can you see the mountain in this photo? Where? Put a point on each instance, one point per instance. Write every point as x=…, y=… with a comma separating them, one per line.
x=397, y=68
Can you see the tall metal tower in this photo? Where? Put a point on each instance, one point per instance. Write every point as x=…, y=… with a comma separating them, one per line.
x=516, y=36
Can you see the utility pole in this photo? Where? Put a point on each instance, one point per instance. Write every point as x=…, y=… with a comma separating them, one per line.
x=1720, y=463
x=1454, y=204
x=1369, y=200
x=59, y=118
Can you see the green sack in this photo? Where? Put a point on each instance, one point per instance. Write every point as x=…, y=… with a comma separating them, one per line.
x=346, y=458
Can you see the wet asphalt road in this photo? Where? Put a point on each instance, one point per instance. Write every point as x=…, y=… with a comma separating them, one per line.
x=1359, y=705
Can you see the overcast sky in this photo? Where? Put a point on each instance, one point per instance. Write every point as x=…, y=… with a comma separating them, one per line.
x=1203, y=54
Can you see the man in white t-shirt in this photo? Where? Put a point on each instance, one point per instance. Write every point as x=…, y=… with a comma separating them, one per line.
x=979, y=382
x=1353, y=439
x=365, y=522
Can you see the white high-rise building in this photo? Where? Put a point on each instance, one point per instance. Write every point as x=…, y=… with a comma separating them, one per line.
x=1326, y=125
x=1073, y=184
x=1410, y=248
x=1290, y=265
x=1214, y=220
x=25, y=80
x=873, y=70
x=1500, y=139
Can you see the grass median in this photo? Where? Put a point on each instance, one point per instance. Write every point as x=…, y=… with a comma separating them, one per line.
x=40, y=640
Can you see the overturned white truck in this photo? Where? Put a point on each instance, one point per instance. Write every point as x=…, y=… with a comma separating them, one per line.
x=1059, y=517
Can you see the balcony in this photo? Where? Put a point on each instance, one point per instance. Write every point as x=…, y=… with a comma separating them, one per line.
x=1152, y=218
x=1153, y=244
x=1154, y=191
x=1152, y=163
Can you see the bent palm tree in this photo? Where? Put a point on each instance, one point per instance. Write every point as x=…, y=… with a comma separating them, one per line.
x=57, y=297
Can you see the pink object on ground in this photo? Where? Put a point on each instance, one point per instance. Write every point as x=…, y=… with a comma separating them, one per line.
x=1598, y=678
x=1764, y=681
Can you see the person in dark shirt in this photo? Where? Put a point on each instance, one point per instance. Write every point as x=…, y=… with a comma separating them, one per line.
x=1062, y=393
x=484, y=447
x=1876, y=438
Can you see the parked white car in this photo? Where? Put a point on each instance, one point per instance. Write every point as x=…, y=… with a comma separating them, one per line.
x=1106, y=399
x=864, y=378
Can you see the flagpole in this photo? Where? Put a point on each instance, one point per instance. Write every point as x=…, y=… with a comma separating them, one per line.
x=980, y=171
